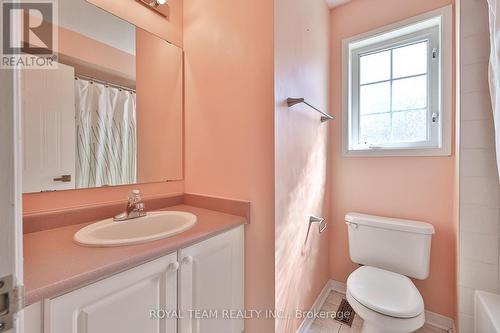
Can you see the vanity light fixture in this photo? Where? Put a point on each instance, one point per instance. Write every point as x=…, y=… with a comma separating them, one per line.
x=154, y=5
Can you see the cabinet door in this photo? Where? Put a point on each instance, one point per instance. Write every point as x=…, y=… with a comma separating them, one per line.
x=121, y=303
x=211, y=278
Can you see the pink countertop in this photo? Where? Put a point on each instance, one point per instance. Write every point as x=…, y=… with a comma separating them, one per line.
x=54, y=264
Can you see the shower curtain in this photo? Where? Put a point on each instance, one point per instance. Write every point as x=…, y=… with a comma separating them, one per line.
x=494, y=72
x=105, y=135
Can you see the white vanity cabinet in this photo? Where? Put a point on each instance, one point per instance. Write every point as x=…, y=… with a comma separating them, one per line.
x=205, y=276
x=211, y=277
x=120, y=303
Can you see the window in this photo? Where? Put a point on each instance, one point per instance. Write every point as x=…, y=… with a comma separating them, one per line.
x=399, y=89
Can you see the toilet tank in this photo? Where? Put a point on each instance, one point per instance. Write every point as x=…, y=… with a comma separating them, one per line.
x=396, y=245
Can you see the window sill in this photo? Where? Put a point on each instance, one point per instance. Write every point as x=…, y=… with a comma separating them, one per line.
x=391, y=152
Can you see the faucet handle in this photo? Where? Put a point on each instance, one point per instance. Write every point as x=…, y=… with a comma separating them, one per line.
x=134, y=196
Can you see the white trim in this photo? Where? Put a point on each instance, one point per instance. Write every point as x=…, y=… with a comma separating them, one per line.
x=439, y=321
x=337, y=286
x=431, y=318
x=11, y=250
x=335, y=3
x=18, y=190
x=445, y=15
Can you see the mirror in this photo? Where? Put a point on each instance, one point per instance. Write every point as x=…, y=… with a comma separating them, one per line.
x=110, y=113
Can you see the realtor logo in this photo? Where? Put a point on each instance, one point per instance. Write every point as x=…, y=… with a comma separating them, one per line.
x=29, y=34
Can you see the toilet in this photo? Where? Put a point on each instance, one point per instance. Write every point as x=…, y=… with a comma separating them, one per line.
x=390, y=251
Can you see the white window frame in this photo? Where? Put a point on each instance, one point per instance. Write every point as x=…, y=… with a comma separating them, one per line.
x=436, y=27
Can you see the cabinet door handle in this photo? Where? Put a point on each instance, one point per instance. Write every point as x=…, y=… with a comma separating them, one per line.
x=187, y=260
x=173, y=267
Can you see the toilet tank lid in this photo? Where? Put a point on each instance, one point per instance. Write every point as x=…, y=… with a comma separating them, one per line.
x=390, y=223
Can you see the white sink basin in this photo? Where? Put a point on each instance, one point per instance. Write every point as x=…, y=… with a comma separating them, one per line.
x=153, y=226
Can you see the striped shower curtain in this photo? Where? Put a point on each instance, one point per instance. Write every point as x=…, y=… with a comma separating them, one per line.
x=105, y=135
x=494, y=72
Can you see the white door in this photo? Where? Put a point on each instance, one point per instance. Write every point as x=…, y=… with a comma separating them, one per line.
x=10, y=202
x=49, y=137
x=122, y=303
x=212, y=279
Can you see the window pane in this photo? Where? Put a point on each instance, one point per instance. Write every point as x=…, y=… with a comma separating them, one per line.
x=375, y=98
x=375, y=67
x=410, y=60
x=409, y=93
x=375, y=128
x=409, y=126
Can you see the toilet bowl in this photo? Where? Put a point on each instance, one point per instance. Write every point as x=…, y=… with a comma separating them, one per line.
x=390, y=250
x=388, y=302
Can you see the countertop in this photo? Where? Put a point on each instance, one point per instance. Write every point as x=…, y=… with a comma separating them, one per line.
x=54, y=264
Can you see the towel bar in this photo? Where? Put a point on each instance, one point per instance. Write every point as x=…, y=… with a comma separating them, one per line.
x=293, y=101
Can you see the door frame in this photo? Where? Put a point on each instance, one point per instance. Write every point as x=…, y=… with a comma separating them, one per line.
x=11, y=228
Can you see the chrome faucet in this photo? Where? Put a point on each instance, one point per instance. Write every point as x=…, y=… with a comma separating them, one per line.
x=135, y=207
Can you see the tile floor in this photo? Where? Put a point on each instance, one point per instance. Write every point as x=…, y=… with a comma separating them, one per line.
x=328, y=325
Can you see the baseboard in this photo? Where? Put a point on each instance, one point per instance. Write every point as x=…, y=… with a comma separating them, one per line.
x=337, y=286
x=318, y=304
x=431, y=318
x=439, y=321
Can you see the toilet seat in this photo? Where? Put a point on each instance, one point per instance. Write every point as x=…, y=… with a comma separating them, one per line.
x=387, y=293
x=374, y=322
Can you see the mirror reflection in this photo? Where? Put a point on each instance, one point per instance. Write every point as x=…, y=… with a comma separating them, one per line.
x=110, y=113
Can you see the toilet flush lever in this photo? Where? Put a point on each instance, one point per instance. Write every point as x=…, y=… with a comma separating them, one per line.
x=352, y=225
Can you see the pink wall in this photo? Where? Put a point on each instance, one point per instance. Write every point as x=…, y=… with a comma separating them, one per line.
x=169, y=28
x=229, y=115
x=420, y=188
x=159, y=129
x=92, y=56
x=302, y=61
